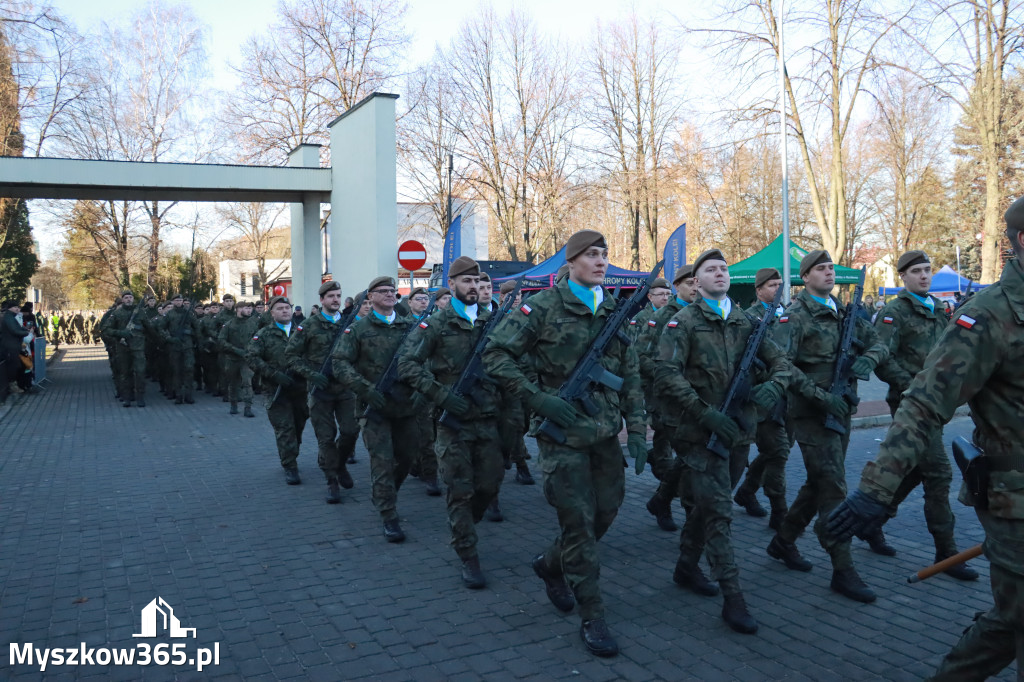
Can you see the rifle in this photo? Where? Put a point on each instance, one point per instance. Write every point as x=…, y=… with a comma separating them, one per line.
x=967, y=295
x=387, y=380
x=343, y=324
x=842, y=383
x=738, y=394
x=473, y=371
x=588, y=369
x=131, y=321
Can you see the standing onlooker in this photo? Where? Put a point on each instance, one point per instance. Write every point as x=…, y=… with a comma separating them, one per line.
x=11, y=338
x=297, y=316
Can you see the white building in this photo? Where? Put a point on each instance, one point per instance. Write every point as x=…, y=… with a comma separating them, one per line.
x=417, y=221
x=241, y=278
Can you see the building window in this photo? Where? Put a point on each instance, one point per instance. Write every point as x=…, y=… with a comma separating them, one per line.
x=255, y=285
x=242, y=284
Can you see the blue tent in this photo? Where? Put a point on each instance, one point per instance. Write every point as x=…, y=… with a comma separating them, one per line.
x=542, y=275
x=945, y=281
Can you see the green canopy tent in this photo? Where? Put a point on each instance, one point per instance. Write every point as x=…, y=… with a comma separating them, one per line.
x=742, y=274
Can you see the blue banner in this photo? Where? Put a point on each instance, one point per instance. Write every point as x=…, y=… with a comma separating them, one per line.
x=675, y=252
x=452, y=247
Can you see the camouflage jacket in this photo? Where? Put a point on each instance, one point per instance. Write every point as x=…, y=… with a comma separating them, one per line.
x=118, y=327
x=265, y=354
x=978, y=360
x=808, y=332
x=436, y=353
x=209, y=329
x=637, y=324
x=364, y=353
x=185, y=330
x=698, y=354
x=104, y=326
x=555, y=328
x=234, y=336
x=646, y=343
x=909, y=330
x=307, y=349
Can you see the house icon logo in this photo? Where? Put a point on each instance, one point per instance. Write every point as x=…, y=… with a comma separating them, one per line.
x=159, y=613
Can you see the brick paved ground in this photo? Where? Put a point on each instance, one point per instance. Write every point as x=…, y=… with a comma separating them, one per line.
x=104, y=508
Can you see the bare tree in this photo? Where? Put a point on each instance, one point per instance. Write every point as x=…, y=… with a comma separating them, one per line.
x=254, y=222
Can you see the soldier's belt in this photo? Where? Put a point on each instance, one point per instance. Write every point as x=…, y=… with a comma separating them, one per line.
x=1005, y=462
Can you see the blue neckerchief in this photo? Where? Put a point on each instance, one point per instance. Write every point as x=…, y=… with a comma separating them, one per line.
x=723, y=307
x=654, y=308
x=385, y=320
x=825, y=301
x=330, y=319
x=682, y=302
x=586, y=294
x=460, y=309
x=287, y=330
x=926, y=301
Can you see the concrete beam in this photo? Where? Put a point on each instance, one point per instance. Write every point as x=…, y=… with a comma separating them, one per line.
x=48, y=178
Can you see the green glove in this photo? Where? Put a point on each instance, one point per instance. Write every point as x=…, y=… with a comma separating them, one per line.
x=375, y=399
x=455, y=404
x=282, y=380
x=637, y=446
x=766, y=395
x=836, y=406
x=721, y=425
x=554, y=408
x=319, y=380
x=862, y=367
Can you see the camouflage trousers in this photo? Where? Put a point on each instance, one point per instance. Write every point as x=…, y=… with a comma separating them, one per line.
x=512, y=426
x=660, y=457
x=586, y=487
x=769, y=467
x=469, y=462
x=934, y=473
x=334, y=423
x=997, y=636
x=392, y=444
x=288, y=417
x=824, y=454
x=181, y=362
x=238, y=379
x=705, y=490
x=426, y=464
x=671, y=468
x=131, y=370
x=211, y=371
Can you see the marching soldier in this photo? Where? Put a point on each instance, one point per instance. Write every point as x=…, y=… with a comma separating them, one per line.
x=179, y=332
x=910, y=325
x=442, y=297
x=390, y=434
x=226, y=314
x=698, y=354
x=233, y=340
x=286, y=407
x=109, y=343
x=425, y=465
x=658, y=295
x=663, y=464
x=331, y=406
x=809, y=333
x=208, y=327
x=583, y=477
x=772, y=439
x=978, y=360
x=127, y=325
x=197, y=373
x=469, y=458
x=513, y=422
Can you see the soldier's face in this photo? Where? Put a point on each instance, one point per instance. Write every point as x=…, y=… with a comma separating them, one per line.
x=282, y=312
x=590, y=267
x=177, y=302
x=443, y=301
x=486, y=292
x=245, y=310
x=466, y=288
x=766, y=292
x=330, y=302
x=686, y=289
x=213, y=309
x=918, y=278
x=419, y=303
x=515, y=303
x=365, y=307
x=659, y=297
x=821, y=279
x=383, y=299
x=713, y=278
x=229, y=304
x=128, y=299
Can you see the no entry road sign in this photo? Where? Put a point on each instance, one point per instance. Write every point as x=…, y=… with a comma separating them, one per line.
x=412, y=255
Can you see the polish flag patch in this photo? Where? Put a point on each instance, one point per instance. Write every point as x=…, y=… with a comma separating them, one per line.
x=255, y=338
x=887, y=320
x=673, y=324
x=423, y=324
x=784, y=319
x=652, y=323
x=348, y=330
x=526, y=310
x=966, y=322
x=299, y=329
x=632, y=322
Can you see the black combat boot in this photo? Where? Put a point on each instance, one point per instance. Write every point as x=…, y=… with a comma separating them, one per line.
x=493, y=512
x=291, y=476
x=393, y=531
x=692, y=578
x=189, y=400
x=661, y=510
x=960, y=571
x=558, y=591
x=248, y=410
x=333, y=491
x=736, y=616
x=234, y=408
x=779, y=511
x=876, y=540
x=523, y=475
x=748, y=501
x=345, y=479
x=846, y=582
x=472, y=576
x=788, y=554
x=432, y=488
x=179, y=400
x=140, y=402
x=597, y=638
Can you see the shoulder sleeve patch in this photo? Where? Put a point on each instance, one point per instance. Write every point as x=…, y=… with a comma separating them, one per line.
x=526, y=310
x=632, y=322
x=966, y=322
x=255, y=338
x=423, y=324
x=784, y=319
x=887, y=320
x=672, y=324
x=348, y=330
x=299, y=329
x=652, y=323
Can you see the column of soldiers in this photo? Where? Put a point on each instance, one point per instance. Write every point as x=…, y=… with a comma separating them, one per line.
x=70, y=327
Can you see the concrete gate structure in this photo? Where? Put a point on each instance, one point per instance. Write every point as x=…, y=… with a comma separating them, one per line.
x=360, y=186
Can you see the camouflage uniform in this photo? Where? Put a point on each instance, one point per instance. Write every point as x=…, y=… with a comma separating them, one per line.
x=221, y=319
x=391, y=436
x=664, y=466
x=469, y=459
x=809, y=333
x=639, y=322
x=108, y=345
x=583, y=478
x=265, y=355
x=698, y=353
x=130, y=350
x=331, y=410
x=209, y=328
x=773, y=446
x=979, y=359
x=233, y=339
x=179, y=333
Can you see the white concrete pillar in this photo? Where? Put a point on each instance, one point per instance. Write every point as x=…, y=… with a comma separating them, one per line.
x=364, y=193
x=306, y=260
